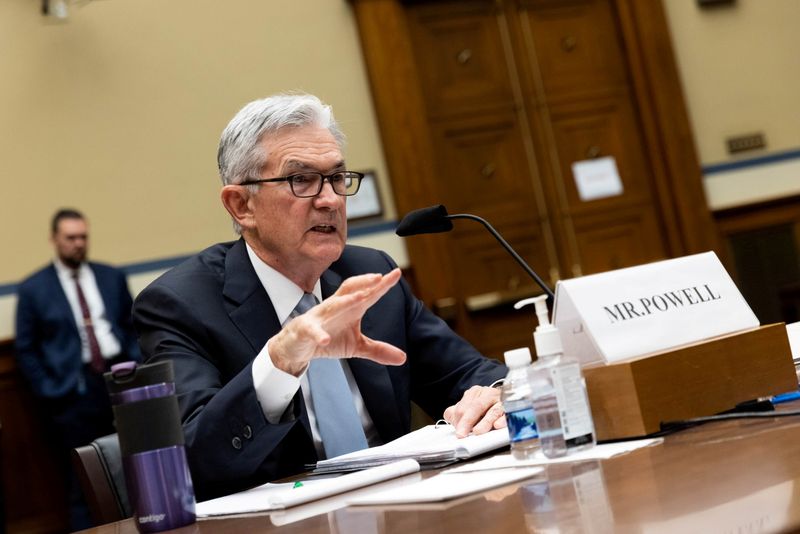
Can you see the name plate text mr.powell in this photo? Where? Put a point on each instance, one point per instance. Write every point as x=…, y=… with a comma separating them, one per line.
x=631, y=312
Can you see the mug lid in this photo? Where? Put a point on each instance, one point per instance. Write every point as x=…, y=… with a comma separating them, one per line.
x=128, y=375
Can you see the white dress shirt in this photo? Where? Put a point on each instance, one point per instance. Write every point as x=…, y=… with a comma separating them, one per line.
x=276, y=388
x=109, y=344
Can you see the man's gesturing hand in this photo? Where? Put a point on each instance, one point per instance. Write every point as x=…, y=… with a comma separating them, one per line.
x=332, y=329
x=478, y=411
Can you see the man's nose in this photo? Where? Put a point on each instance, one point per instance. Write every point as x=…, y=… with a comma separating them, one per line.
x=327, y=196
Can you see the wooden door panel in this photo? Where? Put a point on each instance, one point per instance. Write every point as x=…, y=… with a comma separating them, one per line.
x=483, y=169
x=482, y=164
x=457, y=47
x=597, y=129
x=495, y=331
x=628, y=238
x=575, y=45
x=486, y=267
x=490, y=281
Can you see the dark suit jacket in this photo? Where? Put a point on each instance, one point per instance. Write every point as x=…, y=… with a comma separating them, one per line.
x=211, y=316
x=48, y=344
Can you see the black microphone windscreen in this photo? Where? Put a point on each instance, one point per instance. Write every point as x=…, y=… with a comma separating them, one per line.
x=430, y=220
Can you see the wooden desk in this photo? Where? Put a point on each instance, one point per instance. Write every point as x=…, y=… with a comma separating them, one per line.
x=733, y=476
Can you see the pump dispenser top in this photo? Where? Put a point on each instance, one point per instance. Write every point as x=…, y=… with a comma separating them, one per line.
x=546, y=336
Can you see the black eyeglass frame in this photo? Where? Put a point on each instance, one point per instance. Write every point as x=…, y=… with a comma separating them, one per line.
x=353, y=175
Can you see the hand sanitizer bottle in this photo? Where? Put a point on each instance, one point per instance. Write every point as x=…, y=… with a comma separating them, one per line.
x=563, y=416
x=516, y=398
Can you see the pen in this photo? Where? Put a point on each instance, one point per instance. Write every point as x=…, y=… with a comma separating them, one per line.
x=785, y=397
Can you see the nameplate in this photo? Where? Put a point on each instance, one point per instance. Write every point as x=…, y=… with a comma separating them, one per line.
x=618, y=315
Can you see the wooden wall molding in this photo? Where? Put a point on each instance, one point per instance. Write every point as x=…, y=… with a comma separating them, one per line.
x=34, y=497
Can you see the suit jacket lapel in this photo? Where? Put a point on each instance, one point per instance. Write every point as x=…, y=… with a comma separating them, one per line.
x=250, y=308
x=106, y=290
x=373, y=379
x=59, y=296
x=246, y=300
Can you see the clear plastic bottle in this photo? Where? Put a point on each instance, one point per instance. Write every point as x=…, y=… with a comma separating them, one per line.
x=516, y=398
x=545, y=405
x=563, y=416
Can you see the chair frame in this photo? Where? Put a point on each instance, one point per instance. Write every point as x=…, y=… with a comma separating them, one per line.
x=98, y=487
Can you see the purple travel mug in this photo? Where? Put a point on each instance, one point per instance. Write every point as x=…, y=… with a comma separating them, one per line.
x=151, y=444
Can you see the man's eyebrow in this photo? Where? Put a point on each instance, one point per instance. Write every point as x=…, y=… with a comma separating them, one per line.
x=294, y=165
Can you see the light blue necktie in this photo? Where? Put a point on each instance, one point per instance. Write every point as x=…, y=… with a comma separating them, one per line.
x=337, y=419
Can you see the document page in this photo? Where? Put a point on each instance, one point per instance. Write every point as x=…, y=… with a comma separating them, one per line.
x=429, y=444
x=447, y=486
x=284, y=495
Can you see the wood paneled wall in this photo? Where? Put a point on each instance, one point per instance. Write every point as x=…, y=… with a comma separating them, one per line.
x=34, y=498
x=762, y=253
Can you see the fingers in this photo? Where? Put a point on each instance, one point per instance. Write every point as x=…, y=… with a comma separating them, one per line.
x=333, y=328
x=380, y=352
x=476, y=412
x=488, y=420
x=356, y=295
x=369, y=282
x=500, y=422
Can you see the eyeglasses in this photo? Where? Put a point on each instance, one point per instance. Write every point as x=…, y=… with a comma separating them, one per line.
x=309, y=184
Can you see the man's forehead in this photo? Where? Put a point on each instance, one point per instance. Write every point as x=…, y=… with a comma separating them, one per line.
x=300, y=165
x=72, y=227
x=301, y=147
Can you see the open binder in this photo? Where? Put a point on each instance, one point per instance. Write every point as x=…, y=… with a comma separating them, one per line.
x=431, y=446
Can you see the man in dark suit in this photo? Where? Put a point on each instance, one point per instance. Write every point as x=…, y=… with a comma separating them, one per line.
x=248, y=355
x=73, y=321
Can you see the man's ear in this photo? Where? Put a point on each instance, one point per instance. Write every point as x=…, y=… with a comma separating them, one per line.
x=236, y=200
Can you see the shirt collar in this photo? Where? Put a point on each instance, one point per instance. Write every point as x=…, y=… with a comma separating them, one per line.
x=283, y=293
x=64, y=271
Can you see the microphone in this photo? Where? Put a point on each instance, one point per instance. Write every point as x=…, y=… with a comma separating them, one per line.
x=435, y=219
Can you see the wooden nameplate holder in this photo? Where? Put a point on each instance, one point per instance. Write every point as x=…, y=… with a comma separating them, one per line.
x=632, y=398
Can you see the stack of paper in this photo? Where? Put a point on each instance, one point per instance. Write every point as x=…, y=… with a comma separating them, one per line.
x=280, y=496
x=432, y=444
x=486, y=474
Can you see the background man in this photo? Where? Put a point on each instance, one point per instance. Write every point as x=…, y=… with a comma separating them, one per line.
x=73, y=320
x=254, y=373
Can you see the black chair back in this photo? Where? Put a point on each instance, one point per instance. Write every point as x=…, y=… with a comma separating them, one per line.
x=99, y=468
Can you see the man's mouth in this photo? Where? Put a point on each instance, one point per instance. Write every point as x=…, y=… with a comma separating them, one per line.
x=324, y=228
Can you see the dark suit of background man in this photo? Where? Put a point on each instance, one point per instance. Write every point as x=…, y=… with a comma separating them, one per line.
x=224, y=317
x=62, y=349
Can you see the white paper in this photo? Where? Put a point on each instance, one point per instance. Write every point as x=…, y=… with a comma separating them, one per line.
x=429, y=444
x=597, y=178
x=645, y=309
x=444, y=486
x=279, y=496
x=793, y=331
x=336, y=502
x=598, y=452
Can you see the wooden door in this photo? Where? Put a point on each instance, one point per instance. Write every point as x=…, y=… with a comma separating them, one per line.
x=579, y=90
x=485, y=105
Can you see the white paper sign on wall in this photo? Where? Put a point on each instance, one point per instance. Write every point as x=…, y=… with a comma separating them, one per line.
x=597, y=178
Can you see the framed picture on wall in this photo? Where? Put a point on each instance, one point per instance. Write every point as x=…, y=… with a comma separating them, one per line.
x=366, y=204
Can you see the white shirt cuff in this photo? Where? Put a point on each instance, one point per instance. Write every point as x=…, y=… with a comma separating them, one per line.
x=274, y=388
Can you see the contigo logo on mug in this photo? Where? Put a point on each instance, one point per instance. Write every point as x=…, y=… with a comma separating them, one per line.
x=152, y=518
